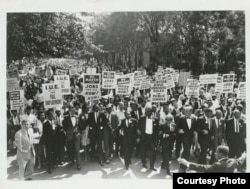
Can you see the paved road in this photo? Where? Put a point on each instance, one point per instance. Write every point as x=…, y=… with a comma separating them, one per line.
x=91, y=169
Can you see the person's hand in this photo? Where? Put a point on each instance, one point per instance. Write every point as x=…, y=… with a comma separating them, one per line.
x=205, y=132
x=183, y=161
x=181, y=131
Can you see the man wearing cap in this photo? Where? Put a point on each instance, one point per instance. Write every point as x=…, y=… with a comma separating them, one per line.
x=148, y=129
x=205, y=134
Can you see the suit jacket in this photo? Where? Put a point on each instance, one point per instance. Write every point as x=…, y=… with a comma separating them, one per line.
x=201, y=124
x=140, y=111
x=49, y=135
x=129, y=131
x=219, y=131
x=68, y=127
x=96, y=127
x=188, y=134
x=24, y=144
x=222, y=166
x=111, y=124
x=142, y=127
x=134, y=114
x=230, y=134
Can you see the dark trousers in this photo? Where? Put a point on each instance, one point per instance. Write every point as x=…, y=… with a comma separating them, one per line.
x=51, y=155
x=177, y=145
x=96, y=147
x=73, y=148
x=235, y=147
x=203, y=155
x=166, y=151
x=107, y=144
x=148, y=144
x=187, y=143
x=60, y=146
x=128, y=147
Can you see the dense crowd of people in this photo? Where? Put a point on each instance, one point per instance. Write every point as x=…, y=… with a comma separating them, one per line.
x=124, y=126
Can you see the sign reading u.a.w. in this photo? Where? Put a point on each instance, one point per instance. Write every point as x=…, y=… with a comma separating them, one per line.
x=52, y=94
x=64, y=81
x=91, y=87
x=16, y=99
x=108, y=80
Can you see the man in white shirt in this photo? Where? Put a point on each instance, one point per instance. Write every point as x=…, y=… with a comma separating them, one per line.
x=148, y=129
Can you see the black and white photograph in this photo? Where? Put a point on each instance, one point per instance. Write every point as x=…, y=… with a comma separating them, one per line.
x=124, y=95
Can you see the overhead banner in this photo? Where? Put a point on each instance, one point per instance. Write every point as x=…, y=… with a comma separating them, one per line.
x=242, y=91
x=91, y=87
x=64, y=82
x=208, y=79
x=228, y=82
x=12, y=84
x=183, y=78
x=61, y=72
x=52, y=94
x=219, y=85
x=192, y=88
x=16, y=99
x=108, y=80
x=158, y=91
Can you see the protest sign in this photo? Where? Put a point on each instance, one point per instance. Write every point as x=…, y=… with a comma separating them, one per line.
x=73, y=71
x=242, y=91
x=91, y=87
x=175, y=76
x=12, y=73
x=64, y=82
x=208, y=79
x=108, y=80
x=145, y=84
x=12, y=84
x=91, y=70
x=138, y=77
x=52, y=94
x=183, y=78
x=16, y=99
x=158, y=91
x=192, y=88
x=219, y=85
x=123, y=86
x=61, y=72
x=169, y=81
x=228, y=82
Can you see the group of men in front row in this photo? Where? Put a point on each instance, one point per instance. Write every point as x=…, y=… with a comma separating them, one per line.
x=107, y=132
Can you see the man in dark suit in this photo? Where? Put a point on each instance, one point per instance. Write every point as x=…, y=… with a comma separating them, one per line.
x=96, y=123
x=205, y=134
x=49, y=139
x=223, y=165
x=129, y=127
x=167, y=137
x=218, y=125
x=71, y=127
x=148, y=129
x=235, y=134
x=111, y=123
x=185, y=129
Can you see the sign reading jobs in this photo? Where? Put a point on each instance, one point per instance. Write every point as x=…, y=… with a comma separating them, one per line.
x=52, y=93
x=108, y=80
x=91, y=87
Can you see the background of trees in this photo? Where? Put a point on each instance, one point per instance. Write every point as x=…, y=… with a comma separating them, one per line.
x=199, y=41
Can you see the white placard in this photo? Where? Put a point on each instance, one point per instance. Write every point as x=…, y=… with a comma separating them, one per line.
x=52, y=94
x=158, y=91
x=91, y=87
x=242, y=91
x=64, y=81
x=228, y=82
x=108, y=80
x=12, y=84
x=91, y=70
x=192, y=88
x=16, y=99
x=219, y=85
x=208, y=79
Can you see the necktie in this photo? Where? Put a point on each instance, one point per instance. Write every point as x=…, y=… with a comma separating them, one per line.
x=237, y=126
x=218, y=123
